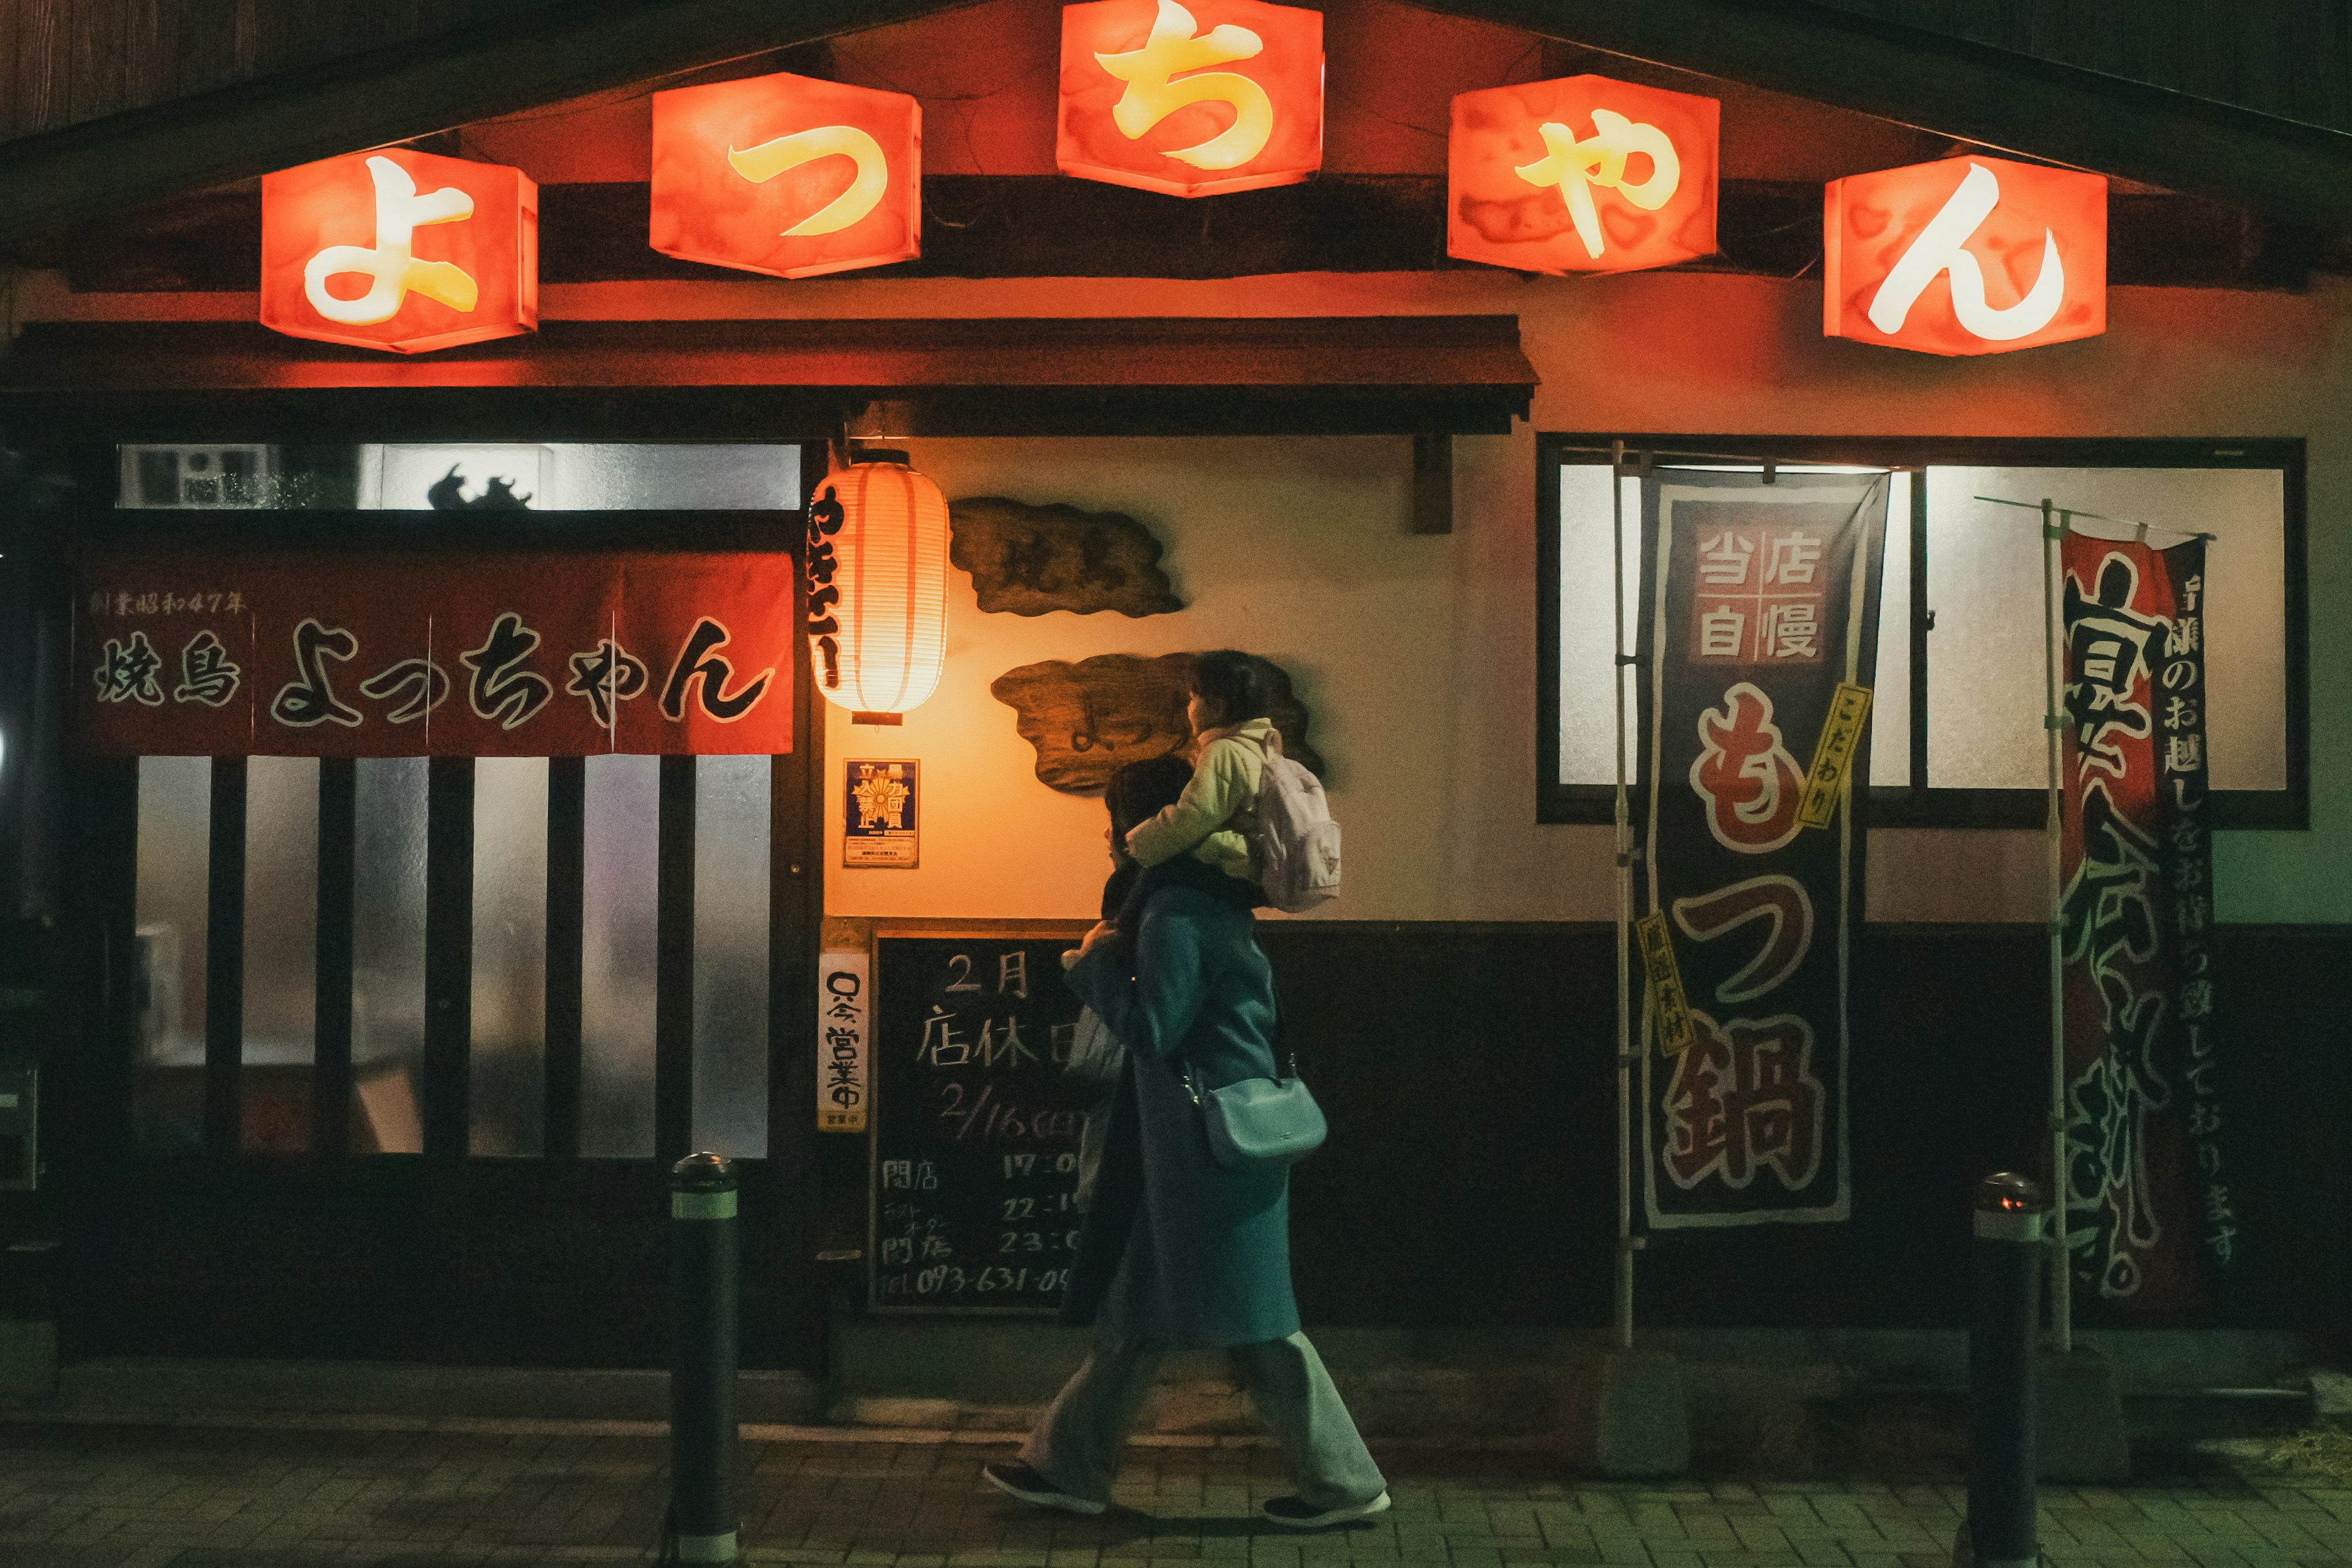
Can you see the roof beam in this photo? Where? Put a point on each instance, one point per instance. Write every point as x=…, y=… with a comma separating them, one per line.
x=2282, y=168
x=101, y=166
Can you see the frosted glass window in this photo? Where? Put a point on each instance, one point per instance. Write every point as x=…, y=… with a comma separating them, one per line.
x=281, y=950
x=388, y=956
x=1890, y=698
x=173, y=902
x=1587, y=719
x=508, y=1062
x=731, y=955
x=1986, y=691
x=583, y=476
x=619, y=957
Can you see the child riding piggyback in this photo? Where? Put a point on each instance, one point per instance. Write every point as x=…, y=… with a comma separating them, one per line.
x=1216, y=818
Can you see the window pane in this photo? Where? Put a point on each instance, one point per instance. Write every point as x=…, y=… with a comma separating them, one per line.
x=731, y=955
x=173, y=899
x=1985, y=667
x=281, y=950
x=582, y=476
x=509, y=1045
x=388, y=956
x=1890, y=701
x=618, y=957
x=1588, y=722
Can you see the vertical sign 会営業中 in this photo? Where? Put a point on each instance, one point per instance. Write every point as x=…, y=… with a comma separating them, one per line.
x=1764, y=600
x=2148, y=1194
x=845, y=1042
x=880, y=801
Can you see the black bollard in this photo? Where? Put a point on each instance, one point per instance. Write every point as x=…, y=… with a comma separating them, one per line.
x=1999, y=1530
x=703, y=1513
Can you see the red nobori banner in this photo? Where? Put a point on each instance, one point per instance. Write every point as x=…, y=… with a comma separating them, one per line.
x=472, y=655
x=2150, y=1222
x=1761, y=600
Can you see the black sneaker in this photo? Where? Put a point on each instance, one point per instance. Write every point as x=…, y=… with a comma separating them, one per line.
x=1016, y=1479
x=1299, y=1514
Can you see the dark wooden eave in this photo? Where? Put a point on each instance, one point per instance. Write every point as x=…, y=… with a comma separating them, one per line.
x=2291, y=172
x=1002, y=377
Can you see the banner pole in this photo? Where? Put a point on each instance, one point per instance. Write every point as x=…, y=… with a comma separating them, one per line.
x=1624, y=847
x=2062, y=1293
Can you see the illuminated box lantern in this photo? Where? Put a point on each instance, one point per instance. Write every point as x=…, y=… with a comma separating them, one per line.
x=1582, y=174
x=788, y=175
x=1967, y=256
x=400, y=250
x=1191, y=99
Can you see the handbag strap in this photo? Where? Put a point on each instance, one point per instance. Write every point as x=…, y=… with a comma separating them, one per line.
x=1282, y=1051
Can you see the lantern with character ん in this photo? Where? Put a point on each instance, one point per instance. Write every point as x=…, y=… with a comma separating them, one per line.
x=1581, y=174
x=1191, y=98
x=878, y=585
x=1965, y=255
x=400, y=250
x=787, y=176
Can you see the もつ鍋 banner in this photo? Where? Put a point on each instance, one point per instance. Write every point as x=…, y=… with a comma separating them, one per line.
x=1760, y=602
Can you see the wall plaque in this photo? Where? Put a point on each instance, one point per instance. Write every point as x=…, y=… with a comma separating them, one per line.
x=1032, y=560
x=1090, y=719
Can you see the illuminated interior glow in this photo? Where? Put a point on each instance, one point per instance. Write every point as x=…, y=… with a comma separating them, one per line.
x=764, y=162
x=1577, y=166
x=1940, y=248
x=1151, y=96
x=391, y=264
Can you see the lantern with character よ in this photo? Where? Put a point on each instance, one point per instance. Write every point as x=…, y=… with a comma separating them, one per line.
x=878, y=585
x=400, y=250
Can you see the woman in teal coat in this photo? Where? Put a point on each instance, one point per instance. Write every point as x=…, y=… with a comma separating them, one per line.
x=1178, y=1251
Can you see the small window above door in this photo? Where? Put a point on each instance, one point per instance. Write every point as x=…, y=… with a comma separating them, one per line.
x=459, y=475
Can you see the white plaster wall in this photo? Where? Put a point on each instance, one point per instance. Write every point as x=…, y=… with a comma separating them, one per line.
x=1418, y=655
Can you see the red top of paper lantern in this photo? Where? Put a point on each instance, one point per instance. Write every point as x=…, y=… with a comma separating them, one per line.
x=1581, y=174
x=788, y=175
x=400, y=250
x=1967, y=256
x=1191, y=98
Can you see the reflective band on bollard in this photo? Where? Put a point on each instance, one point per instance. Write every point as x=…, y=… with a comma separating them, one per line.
x=2006, y=1263
x=702, y=1515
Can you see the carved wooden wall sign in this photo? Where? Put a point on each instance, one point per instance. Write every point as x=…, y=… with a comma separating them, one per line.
x=1030, y=560
x=1090, y=719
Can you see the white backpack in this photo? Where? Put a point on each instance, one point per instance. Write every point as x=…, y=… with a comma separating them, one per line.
x=1297, y=843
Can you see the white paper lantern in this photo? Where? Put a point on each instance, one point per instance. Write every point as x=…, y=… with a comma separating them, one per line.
x=878, y=585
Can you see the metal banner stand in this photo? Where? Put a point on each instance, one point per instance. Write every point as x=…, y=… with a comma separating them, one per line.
x=1641, y=1424
x=2081, y=1414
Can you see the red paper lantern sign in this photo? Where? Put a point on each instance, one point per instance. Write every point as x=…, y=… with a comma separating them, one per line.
x=1193, y=98
x=1967, y=256
x=1582, y=174
x=788, y=175
x=400, y=250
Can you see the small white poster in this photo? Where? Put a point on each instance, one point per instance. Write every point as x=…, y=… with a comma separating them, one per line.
x=845, y=1022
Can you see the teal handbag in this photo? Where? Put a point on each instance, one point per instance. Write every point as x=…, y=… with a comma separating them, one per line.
x=1261, y=1124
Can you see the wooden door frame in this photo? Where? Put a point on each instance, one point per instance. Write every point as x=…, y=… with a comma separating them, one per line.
x=104, y=1174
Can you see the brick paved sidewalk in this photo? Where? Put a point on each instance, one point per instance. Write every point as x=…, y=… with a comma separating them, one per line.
x=513, y=1492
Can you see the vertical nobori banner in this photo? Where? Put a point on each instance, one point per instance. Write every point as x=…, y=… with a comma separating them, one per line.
x=1761, y=601
x=2147, y=1188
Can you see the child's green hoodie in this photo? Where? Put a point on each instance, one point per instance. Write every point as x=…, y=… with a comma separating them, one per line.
x=1214, y=817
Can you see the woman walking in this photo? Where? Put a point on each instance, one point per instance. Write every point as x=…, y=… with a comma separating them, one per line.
x=1178, y=1251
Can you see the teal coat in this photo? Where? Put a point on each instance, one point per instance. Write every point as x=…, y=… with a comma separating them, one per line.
x=1178, y=1248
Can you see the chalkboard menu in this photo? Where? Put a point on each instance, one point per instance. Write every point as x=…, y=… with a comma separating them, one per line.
x=975, y=1124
